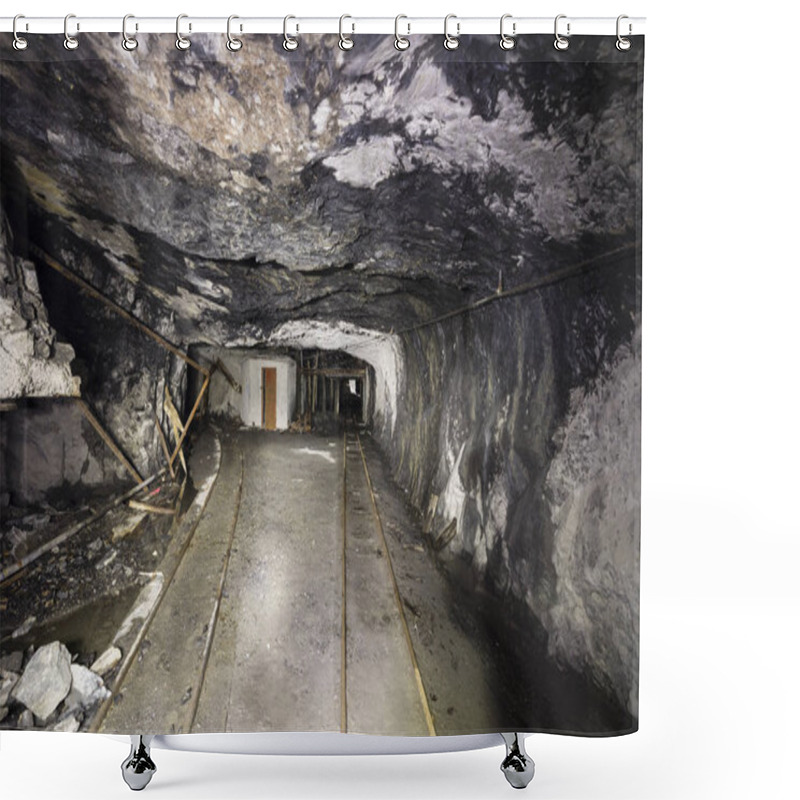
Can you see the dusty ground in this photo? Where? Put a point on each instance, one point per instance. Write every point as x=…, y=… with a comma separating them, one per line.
x=275, y=657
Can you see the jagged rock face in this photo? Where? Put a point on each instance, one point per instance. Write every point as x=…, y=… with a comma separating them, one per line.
x=32, y=362
x=374, y=186
x=259, y=197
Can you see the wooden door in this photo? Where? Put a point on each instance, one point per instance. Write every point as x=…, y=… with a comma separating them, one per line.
x=269, y=397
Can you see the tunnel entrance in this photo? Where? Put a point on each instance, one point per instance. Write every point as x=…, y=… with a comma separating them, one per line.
x=284, y=388
x=334, y=386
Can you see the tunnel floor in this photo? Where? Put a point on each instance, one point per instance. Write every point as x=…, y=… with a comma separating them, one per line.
x=306, y=601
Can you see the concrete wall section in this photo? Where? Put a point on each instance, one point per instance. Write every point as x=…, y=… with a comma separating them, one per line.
x=243, y=401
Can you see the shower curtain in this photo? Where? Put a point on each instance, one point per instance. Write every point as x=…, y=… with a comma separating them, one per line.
x=320, y=384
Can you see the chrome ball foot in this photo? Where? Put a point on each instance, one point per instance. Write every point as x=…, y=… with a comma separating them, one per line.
x=138, y=768
x=517, y=766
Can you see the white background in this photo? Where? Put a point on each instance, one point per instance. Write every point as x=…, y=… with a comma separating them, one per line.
x=720, y=555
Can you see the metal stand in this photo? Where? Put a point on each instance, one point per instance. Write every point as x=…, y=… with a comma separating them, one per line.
x=518, y=766
x=138, y=768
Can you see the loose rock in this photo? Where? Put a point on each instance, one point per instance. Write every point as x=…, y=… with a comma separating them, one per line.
x=24, y=628
x=107, y=661
x=12, y=662
x=25, y=720
x=46, y=680
x=67, y=725
x=6, y=685
x=87, y=688
x=106, y=560
x=127, y=526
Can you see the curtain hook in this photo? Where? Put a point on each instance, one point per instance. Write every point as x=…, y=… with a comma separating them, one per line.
x=234, y=45
x=289, y=42
x=345, y=42
x=623, y=43
x=19, y=43
x=128, y=42
x=507, y=42
x=400, y=42
x=181, y=42
x=561, y=42
x=70, y=42
x=451, y=42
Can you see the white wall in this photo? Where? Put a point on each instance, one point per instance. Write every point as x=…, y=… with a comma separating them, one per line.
x=286, y=389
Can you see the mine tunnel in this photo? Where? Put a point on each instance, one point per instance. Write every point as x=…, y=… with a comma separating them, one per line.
x=291, y=443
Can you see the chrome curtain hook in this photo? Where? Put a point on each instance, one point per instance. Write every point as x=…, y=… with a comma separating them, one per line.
x=234, y=45
x=451, y=42
x=181, y=42
x=623, y=43
x=128, y=42
x=70, y=42
x=561, y=42
x=19, y=42
x=507, y=42
x=400, y=42
x=345, y=42
x=289, y=42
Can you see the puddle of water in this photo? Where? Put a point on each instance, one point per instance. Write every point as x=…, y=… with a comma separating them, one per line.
x=88, y=629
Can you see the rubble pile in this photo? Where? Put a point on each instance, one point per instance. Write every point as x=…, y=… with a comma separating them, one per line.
x=46, y=688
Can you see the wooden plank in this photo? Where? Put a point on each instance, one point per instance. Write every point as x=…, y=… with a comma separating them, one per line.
x=164, y=445
x=117, y=309
x=139, y=506
x=107, y=439
x=189, y=421
x=177, y=426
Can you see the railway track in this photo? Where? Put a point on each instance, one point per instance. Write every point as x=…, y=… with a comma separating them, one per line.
x=379, y=676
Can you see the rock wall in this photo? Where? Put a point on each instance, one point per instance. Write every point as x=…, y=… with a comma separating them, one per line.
x=49, y=448
x=593, y=486
x=32, y=362
x=520, y=422
x=124, y=372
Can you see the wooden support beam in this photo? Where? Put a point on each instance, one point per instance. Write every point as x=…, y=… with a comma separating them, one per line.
x=117, y=309
x=235, y=385
x=87, y=412
x=189, y=421
x=177, y=425
x=137, y=505
x=164, y=445
x=331, y=372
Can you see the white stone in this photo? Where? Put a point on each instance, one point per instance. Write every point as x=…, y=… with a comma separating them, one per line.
x=24, y=628
x=107, y=661
x=67, y=725
x=6, y=685
x=46, y=680
x=87, y=688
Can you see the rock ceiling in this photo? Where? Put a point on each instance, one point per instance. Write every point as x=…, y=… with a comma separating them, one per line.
x=231, y=192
